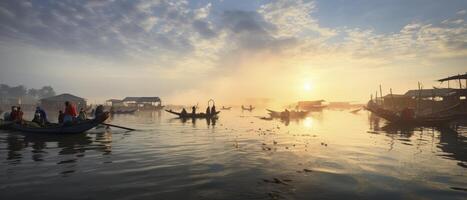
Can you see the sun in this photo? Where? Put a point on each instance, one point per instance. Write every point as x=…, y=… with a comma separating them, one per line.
x=307, y=86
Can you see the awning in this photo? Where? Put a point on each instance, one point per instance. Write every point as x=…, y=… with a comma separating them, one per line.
x=463, y=76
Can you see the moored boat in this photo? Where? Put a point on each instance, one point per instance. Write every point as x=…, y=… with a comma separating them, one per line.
x=77, y=127
x=197, y=115
x=399, y=118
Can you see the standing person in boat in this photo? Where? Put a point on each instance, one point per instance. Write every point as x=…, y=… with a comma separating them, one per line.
x=43, y=115
x=70, y=112
x=213, y=110
x=82, y=115
x=60, y=117
x=251, y=108
x=193, y=110
x=208, y=111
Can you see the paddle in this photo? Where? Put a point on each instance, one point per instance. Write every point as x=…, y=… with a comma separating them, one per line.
x=122, y=127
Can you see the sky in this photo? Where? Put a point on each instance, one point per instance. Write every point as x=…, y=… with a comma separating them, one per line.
x=231, y=50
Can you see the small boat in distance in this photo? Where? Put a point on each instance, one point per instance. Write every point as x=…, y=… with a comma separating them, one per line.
x=78, y=127
x=226, y=108
x=250, y=108
x=197, y=115
x=287, y=114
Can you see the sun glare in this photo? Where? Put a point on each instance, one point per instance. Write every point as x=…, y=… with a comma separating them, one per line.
x=307, y=86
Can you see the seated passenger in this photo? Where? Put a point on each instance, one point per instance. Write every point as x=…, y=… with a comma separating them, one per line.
x=43, y=115
x=61, y=116
x=183, y=113
x=82, y=115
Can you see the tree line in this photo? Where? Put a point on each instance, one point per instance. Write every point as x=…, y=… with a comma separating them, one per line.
x=20, y=91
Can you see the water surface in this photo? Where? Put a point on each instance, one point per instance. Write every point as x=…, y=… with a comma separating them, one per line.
x=329, y=155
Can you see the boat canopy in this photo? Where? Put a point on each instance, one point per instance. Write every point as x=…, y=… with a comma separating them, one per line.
x=457, y=77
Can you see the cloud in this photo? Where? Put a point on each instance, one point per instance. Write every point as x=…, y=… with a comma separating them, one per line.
x=206, y=45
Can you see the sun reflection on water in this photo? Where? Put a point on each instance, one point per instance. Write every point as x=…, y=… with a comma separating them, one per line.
x=308, y=122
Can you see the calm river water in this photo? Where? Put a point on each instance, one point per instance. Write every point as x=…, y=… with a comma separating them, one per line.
x=329, y=155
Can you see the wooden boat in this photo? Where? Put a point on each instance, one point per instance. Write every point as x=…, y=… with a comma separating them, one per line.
x=396, y=118
x=291, y=114
x=248, y=108
x=226, y=108
x=78, y=127
x=190, y=115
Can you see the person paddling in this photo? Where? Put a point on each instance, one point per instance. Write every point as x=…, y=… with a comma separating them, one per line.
x=213, y=110
x=208, y=111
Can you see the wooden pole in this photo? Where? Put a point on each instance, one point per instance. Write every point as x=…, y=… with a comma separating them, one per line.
x=126, y=128
x=381, y=93
x=460, y=83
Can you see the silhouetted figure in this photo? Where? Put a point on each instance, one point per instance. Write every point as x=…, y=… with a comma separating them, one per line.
x=61, y=116
x=251, y=107
x=193, y=110
x=213, y=109
x=183, y=113
x=99, y=111
x=208, y=111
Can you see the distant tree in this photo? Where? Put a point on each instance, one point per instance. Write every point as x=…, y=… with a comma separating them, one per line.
x=17, y=91
x=33, y=92
x=46, y=91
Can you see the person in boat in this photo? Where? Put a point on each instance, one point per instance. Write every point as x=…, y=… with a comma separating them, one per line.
x=70, y=112
x=18, y=115
x=286, y=114
x=13, y=113
x=82, y=115
x=184, y=113
x=99, y=111
x=243, y=107
x=208, y=111
x=61, y=115
x=42, y=114
x=38, y=120
x=193, y=110
x=251, y=107
x=213, y=110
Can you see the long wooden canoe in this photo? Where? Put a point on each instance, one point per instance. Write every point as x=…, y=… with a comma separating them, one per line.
x=291, y=114
x=190, y=115
x=78, y=127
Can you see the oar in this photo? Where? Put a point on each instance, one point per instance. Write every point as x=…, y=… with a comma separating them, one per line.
x=126, y=128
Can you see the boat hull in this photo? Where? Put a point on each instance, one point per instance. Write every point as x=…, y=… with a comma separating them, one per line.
x=79, y=127
x=190, y=115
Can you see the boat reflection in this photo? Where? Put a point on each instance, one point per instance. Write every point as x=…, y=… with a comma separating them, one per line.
x=452, y=142
x=209, y=121
x=43, y=146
